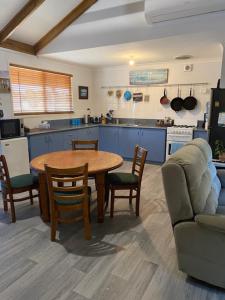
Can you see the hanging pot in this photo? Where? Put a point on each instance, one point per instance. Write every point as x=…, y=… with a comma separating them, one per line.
x=177, y=103
x=164, y=100
x=190, y=102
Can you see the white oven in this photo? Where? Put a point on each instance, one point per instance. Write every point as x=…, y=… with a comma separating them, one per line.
x=177, y=137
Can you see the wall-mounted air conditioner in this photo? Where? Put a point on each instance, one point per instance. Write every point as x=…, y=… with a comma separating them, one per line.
x=164, y=10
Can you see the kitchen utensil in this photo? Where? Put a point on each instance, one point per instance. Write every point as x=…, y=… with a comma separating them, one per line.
x=110, y=93
x=190, y=102
x=146, y=98
x=164, y=100
x=177, y=103
x=137, y=97
x=118, y=94
x=127, y=95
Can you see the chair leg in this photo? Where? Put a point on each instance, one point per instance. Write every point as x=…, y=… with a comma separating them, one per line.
x=130, y=196
x=5, y=203
x=112, y=203
x=87, y=225
x=53, y=225
x=31, y=197
x=12, y=207
x=106, y=196
x=138, y=203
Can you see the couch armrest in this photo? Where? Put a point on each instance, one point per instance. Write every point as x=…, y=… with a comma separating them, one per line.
x=212, y=222
x=221, y=175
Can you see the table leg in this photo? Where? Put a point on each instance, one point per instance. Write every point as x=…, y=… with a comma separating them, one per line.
x=100, y=186
x=43, y=198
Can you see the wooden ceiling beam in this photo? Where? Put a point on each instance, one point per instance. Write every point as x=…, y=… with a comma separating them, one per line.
x=63, y=24
x=27, y=10
x=17, y=46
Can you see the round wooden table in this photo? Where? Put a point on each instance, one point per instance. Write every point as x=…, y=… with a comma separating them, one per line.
x=99, y=163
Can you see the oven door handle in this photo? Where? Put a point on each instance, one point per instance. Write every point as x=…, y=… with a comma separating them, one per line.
x=169, y=150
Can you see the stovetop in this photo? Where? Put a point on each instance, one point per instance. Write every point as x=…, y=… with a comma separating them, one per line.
x=183, y=126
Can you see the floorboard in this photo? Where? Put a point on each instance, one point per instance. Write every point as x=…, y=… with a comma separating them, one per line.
x=127, y=258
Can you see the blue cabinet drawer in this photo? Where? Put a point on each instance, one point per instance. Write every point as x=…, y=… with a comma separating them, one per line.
x=200, y=134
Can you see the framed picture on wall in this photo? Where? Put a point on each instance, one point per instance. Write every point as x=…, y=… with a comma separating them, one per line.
x=83, y=92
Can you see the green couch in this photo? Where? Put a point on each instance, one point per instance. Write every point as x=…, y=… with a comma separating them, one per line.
x=195, y=194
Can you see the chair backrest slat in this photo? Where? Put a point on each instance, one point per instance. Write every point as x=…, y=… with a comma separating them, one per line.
x=85, y=145
x=140, y=155
x=4, y=172
x=60, y=184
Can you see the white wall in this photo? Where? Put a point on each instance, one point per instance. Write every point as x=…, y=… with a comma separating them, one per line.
x=203, y=71
x=81, y=76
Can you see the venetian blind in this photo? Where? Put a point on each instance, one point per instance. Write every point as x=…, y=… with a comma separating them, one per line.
x=37, y=91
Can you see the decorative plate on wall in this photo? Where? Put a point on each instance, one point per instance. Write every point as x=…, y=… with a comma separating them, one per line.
x=127, y=95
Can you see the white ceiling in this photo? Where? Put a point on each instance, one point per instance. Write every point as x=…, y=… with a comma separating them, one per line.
x=161, y=50
x=112, y=31
x=42, y=20
x=8, y=9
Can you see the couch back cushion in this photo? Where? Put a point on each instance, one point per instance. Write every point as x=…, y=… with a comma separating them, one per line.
x=203, y=185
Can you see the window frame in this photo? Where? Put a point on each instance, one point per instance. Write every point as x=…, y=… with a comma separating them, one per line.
x=46, y=112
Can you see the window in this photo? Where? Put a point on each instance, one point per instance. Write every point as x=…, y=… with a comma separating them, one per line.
x=36, y=91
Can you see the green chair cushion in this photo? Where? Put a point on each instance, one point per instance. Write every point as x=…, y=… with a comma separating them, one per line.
x=22, y=181
x=71, y=201
x=122, y=178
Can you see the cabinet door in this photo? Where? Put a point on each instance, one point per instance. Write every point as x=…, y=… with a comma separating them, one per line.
x=128, y=139
x=38, y=145
x=108, y=139
x=93, y=133
x=68, y=136
x=56, y=141
x=201, y=134
x=154, y=140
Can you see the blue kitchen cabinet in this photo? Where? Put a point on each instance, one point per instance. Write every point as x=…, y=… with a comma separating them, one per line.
x=87, y=133
x=43, y=143
x=56, y=141
x=108, y=139
x=128, y=138
x=201, y=134
x=38, y=145
x=154, y=140
x=68, y=136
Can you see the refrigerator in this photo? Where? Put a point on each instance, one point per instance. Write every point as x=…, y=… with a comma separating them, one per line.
x=217, y=121
x=16, y=153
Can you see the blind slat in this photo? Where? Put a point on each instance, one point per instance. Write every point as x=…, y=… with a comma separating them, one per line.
x=40, y=91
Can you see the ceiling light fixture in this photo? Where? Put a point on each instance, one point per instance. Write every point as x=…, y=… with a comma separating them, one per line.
x=183, y=57
x=131, y=62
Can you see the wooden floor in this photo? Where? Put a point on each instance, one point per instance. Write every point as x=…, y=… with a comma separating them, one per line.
x=127, y=258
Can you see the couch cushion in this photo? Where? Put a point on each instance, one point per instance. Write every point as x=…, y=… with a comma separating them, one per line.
x=194, y=161
x=122, y=178
x=22, y=181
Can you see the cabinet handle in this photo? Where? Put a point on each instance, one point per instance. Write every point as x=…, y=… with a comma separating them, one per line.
x=6, y=144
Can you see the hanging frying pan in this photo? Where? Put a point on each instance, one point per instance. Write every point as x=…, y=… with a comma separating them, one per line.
x=177, y=103
x=164, y=100
x=190, y=102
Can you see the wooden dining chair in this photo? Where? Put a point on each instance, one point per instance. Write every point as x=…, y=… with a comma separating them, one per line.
x=127, y=181
x=16, y=185
x=66, y=197
x=85, y=145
